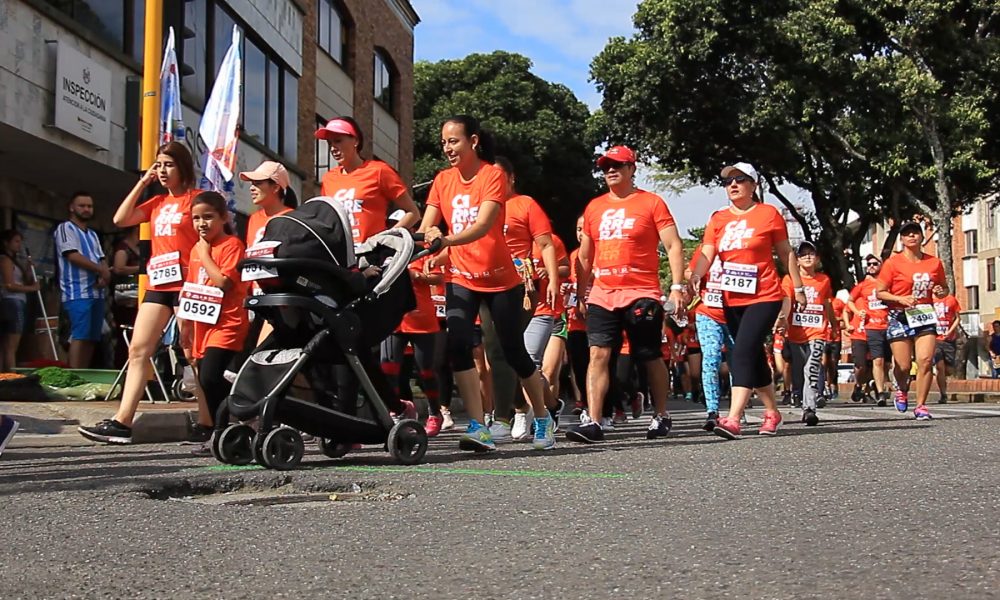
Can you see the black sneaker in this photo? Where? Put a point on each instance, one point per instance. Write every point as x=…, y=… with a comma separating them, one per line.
x=822, y=400
x=713, y=418
x=108, y=431
x=796, y=401
x=586, y=434
x=199, y=434
x=857, y=395
x=659, y=427
x=883, y=399
x=555, y=412
x=786, y=398
x=809, y=417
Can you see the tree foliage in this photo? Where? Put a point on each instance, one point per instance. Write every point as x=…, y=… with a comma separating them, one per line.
x=881, y=107
x=540, y=126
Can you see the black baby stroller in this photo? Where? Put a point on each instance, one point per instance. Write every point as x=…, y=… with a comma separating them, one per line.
x=325, y=313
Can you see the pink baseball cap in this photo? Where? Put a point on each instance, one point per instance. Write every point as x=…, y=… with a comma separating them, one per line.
x=335, y=126
x=622, y=154
x=268, y=169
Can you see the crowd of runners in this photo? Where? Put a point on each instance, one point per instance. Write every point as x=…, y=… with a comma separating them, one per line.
x=520, y=327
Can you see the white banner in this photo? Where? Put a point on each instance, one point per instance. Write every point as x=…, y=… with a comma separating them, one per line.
x=82, y=96
x=171, y=113
x=219, y=123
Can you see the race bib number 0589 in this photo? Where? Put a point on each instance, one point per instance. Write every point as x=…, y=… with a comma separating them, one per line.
x=202, y=303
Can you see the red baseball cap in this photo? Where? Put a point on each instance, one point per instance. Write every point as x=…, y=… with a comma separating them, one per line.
x=335, y=126
x=622, y=154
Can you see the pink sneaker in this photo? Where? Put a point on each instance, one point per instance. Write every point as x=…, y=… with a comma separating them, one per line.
x=433, y=425
x=770, y=425
x=727, y=428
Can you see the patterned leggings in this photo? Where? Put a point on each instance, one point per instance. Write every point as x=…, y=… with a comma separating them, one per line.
x=712, y=336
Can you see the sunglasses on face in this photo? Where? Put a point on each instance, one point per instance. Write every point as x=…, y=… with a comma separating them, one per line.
x=874, y=264
x=612, y=164
x=727, y=181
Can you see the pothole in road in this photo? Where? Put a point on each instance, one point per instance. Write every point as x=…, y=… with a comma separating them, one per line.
x=281, y=491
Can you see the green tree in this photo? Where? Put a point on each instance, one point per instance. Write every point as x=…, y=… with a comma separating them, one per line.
x=882, y=107
x=540, y=126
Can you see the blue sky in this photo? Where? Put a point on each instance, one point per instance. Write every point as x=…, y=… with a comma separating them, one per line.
x=560, y=37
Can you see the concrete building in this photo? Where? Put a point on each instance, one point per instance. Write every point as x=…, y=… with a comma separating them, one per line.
x=70, y=87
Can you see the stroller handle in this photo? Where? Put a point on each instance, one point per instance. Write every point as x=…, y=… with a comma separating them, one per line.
x=434, y=248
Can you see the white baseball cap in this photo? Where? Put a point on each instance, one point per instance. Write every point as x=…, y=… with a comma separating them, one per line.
x=745, y=168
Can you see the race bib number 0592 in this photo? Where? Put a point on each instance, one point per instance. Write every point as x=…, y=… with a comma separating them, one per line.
x=202, y=303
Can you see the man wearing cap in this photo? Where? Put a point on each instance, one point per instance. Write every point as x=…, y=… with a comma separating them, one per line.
x=621, y=232
x=867, y=328
x=947, y=308
x=268, y=191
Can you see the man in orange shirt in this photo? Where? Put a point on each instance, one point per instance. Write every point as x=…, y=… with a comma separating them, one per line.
x=947, y=309
x=621, y=232
x=873, y=321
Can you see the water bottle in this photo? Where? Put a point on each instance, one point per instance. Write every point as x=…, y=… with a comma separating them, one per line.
x=669, y=307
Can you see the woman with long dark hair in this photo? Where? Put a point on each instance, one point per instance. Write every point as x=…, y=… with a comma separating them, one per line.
x=15, y=282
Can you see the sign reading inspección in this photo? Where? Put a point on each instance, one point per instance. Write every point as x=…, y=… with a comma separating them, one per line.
x=82, y=96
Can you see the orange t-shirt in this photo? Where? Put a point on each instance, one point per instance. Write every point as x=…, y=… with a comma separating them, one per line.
x=947, y=310
x=485, y=265
x=576, y=323
x=811, y=323
x=907, y=278
x=171, y=229
x=524, y=221
x=230, y=331
x=858, y=331
x=876, y=313
x=366, y=193
x=543, y=308
x=711, y=294
x=257, y=222
x=745, y=244
x=838, y=311
x=423, y=318
x=626, y=233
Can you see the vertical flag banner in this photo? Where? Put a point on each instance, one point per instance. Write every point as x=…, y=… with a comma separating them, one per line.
x=219, y=124
x=171, y=114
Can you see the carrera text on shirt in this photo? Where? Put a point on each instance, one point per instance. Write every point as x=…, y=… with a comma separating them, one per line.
x=366, y=193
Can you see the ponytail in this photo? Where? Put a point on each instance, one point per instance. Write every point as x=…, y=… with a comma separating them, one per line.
x=486, y=148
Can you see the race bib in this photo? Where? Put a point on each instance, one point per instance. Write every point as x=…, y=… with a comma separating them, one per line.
x=712, y=298
x=257, y=272
x=921, y=315
x=738, y=278
x=164, y=269
x=202, y=303
x=571, y=300
x=875, y=304
x=440, y=307
x=811, y=318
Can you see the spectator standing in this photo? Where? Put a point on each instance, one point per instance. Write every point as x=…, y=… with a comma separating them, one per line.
x=15, y=282
x=125, y=264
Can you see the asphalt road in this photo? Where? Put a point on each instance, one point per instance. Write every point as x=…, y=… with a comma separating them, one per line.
x=870, y=504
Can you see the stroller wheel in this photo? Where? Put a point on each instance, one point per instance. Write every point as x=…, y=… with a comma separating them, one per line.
x=233, y=445
x=177, y=389
x=332, y=449
x=282, y=449
x=407, y=442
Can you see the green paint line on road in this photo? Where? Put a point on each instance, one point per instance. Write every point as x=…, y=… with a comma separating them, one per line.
x=446, y=471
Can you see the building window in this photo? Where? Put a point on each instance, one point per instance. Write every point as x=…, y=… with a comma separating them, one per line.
x=192, y=50
x=331, y=29
x=990, y=219
x=991, y=274
x=972, y=298
x=290, y=117
x=971, y=242
x=118, y=22
x=383, y=81
x=322, y=152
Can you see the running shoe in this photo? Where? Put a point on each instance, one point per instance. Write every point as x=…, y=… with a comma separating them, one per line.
x=901, y=400
x=607, y=424
x=554, y=413
x=727, y=428
x=476, y=438
x=883, y=399
x=770, y=425
x=488, y=418
x=796, y=401
x=586, y=434
x=809, y=417
x=8, y=427
x=689, y=396
x=520, y=429
x=822, y=400
x=942, y=399
x=447, y=422
x=433, y=425
x=579, y=408
x=786, y=397
x=636, y=405
x=108, y=431
x=199, y=434
x=857, y=395
x=659, y=426
x=619, y=418
x=545, y=434
x=500, y=432
x=585, y=418
x=922, y=413
x=710, y=421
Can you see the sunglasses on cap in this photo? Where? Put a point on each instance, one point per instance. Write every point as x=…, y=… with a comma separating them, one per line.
x=727, y=181
x=612, y=164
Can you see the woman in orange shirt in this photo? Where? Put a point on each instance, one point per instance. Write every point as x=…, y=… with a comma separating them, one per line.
x=270, y=193
x=212, y=299
x=744, y=235
x=366, y=188
x=470, y=196
x=906, y=283
x=173, y=236
x=806, y=336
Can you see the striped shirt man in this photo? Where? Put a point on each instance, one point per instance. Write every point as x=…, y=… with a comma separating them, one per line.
x=76, y=282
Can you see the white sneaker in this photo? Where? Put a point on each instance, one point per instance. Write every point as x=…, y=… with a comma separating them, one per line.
x=448, y=422
x=607, y=424
x=521, y=429
x=585, y=418
x=488, y=418
x=500, y=432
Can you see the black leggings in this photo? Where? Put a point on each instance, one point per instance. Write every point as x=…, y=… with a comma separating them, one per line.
x=211, y=376
x=441, y=367
x=750, y=326
x=393, y=352
x=506, y=308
